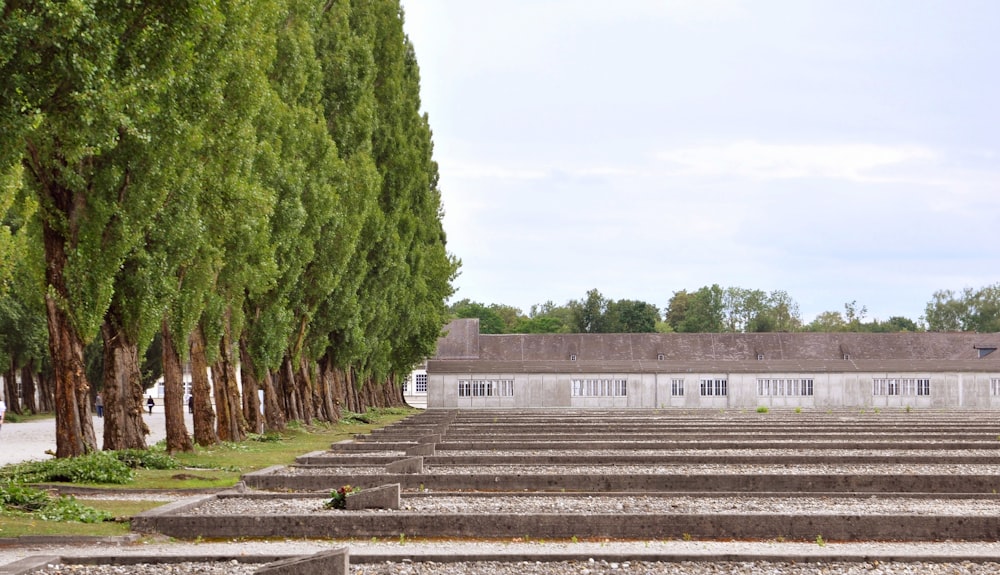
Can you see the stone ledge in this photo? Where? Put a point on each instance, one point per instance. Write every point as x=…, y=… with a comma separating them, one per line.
x=383, y=497
x=409, y=465
x=333, y=562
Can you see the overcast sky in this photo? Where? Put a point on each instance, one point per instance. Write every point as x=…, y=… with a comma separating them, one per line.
x=843, y=150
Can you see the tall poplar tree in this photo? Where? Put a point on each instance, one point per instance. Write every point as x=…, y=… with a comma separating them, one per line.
x=90, y=104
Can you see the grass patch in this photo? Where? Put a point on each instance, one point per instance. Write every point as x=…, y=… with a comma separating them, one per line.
x=120, y=511
x=214, y=467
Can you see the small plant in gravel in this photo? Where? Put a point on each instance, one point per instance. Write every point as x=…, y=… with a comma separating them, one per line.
x=762, y=409
x=402, y=538
x=338, y=497
x=820, y=541
x=686, y=536
x=798, y=410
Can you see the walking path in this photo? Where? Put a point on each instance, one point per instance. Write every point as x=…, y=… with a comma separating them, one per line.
x=31, y=440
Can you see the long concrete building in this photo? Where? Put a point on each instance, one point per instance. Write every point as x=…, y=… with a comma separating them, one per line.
x=713, y=370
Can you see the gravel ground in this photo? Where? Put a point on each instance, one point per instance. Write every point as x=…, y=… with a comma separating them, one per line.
x=592, y=567
x=670, y=469
x=632, y=504
x=689, y=557
x=588, y=567
x=993, y=452
x=187, y=568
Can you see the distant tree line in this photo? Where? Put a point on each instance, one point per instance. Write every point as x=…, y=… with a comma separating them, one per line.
x=238, y=186
x=714, y=309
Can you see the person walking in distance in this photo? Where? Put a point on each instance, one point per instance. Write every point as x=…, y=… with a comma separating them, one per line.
x=191, y=403
x=150, y=403
x=99, y=403
x=3, y=411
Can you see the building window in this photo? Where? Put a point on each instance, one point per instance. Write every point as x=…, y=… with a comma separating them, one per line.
x=421, y=384
x=995, y=386
x=599, y=387
x=901, y=386
x=485, y=387
x=676, y=387
x=714, y=387
x=793, y=387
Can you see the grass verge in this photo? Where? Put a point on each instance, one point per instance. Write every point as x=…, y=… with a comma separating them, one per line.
x=214, y=467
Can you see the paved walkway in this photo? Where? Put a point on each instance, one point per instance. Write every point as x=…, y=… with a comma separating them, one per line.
x=30, y=440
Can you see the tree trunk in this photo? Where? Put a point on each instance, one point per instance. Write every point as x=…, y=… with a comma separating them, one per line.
x=231, y=426
x=286, y=381
x=251, y=401
x=274, y=417
x=204, y=415
x=74, y=426
x=303, y=384
x=124, y=427
x=328, y=395
x=28, y=388
x=173, y=395
x=10, y=389
x=46, y=392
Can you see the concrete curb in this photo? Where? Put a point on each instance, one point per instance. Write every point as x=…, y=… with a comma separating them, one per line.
x=566, y=526
x=744, y=483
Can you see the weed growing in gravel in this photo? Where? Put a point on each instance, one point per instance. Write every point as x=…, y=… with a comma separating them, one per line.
x=820, y=541
x=686, y=536
x=798, y=410
x=402, y=538
x=762, y=409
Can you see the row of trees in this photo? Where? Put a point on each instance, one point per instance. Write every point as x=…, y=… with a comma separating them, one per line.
x=715, y=309
x=251, y=184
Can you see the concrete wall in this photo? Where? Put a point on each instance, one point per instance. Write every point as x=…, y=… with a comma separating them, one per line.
x=653, y=390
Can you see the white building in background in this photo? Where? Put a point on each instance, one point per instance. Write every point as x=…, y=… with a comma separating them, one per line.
x=415, y=387
x=713, y=370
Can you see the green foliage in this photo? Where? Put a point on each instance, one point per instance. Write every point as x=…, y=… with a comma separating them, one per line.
x=762, y=409
x=971, y=310
x=19, y=499
x=490, y=320
x=103, y=467
x=146, y=459
x=338, y=497
x=267, y=437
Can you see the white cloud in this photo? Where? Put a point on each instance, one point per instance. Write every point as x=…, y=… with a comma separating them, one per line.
x=751, y=159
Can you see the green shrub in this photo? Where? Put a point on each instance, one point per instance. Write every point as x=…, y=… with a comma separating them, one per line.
x=22, y=499
x=267, y=437
x=146, y=459
x=96, y=467
x=18, y=499
x=762, y=409
x=69, y=509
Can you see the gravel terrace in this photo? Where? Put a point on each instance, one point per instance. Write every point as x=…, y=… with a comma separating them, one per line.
x=486, y=453
x=584, y=567
x=666, y=469
x=631, y=504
